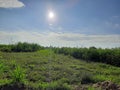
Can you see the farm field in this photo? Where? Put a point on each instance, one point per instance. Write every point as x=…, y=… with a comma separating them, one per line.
x=43, y=70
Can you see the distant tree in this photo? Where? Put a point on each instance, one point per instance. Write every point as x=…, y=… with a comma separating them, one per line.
x=27, y=47
x=109, y=56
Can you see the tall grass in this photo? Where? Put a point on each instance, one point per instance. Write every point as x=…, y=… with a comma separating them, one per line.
x=54, y=86
x=32, y=67
x=18, y=75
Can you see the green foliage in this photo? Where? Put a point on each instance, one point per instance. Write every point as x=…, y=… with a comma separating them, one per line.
x=54, y=86
x=92, y=88
x=18, y=75
x=1, y=55
x=1, y=67
x=21, y=47
x=109, y=56
x=65, y=71
x=26, y=47
x=86, y=78
x=4, y=82
x=5, y=48
x=99, y=77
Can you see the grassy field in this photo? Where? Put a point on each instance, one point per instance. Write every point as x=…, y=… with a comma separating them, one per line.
x=44, y=69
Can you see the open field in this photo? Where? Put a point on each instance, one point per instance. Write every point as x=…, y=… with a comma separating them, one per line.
x=44, y=69
x=59, y=45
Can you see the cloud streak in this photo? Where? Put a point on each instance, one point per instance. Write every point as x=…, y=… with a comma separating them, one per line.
x=11, y=4
x=61, y=39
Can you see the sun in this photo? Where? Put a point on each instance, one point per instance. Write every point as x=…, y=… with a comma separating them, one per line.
x=51, y=15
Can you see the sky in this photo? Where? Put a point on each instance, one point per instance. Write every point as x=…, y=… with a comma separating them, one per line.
x=77, y=23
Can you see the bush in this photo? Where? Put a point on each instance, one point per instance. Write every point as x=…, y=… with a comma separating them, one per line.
x=1, y=67
x=6, y=49
x=18, y=75
x=1, y=55
x=86, y=78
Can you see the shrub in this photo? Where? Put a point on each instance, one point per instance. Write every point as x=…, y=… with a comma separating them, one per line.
x=18, y=75
x=1, y=55
x=92, y=88
x=1, y=67
x=85, y=77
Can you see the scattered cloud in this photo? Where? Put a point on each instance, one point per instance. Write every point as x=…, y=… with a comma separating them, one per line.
x=116, y=16
x=60, y=28
x=10, y=4
x=112, y=25
x=113, y=22
x=61, y=39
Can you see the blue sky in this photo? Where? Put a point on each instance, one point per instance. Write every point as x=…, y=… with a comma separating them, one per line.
x=77, y=22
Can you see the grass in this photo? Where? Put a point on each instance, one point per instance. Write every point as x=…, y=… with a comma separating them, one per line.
x=18, y=75
x=44, y=69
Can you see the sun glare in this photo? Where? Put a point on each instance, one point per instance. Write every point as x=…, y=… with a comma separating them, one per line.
x=51, y=15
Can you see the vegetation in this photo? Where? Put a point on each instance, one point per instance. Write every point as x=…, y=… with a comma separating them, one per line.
x=25, y=66
x=18, y=75
x=21, y=47
x=109, y=56
x=46, y=70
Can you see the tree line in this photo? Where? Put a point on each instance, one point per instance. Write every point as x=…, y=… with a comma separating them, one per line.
x=109, y=56
x=21, y=47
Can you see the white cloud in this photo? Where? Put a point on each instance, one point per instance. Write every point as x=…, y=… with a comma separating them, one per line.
x=113, y=22
x=61, y=39
x=112, y=25
x=11, y=4
x=116, y=16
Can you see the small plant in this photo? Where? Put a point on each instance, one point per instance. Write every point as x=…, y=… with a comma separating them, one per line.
x=1, y=55
x=1, y=70
x=91, y=88
x=18, y=75
x=1, y=67
x=86, y=78
x=54, y=86
x=98, y=78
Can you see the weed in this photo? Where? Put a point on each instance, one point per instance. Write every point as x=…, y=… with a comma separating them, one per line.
x=18, y=75
x=54, y=86
x=64, y=70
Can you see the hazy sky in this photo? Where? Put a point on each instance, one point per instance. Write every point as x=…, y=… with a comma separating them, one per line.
x=77, y=22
